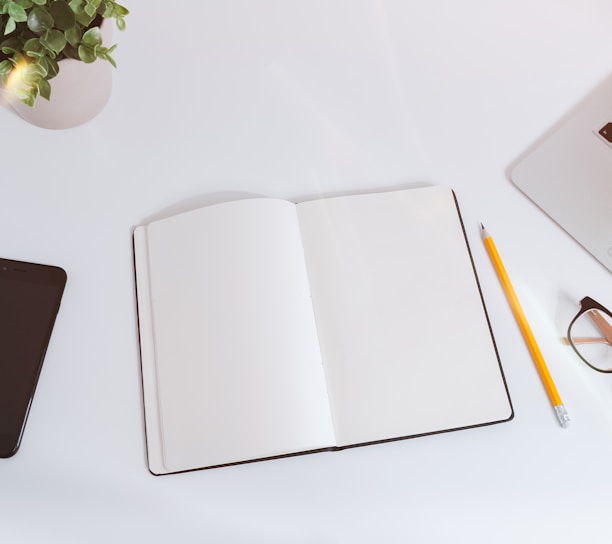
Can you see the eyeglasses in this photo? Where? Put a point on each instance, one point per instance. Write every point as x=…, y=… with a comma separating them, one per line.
x=590, y=334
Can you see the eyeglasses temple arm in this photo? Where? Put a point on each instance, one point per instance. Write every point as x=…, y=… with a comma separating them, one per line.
x=603, y=325
x=587, y=340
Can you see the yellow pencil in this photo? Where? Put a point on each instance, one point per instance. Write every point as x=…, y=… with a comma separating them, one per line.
x=553, y=394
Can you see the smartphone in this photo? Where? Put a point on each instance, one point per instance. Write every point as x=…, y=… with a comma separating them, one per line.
x=30, y=296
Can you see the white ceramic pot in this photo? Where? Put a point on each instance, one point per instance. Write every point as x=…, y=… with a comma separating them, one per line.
x=78, y=93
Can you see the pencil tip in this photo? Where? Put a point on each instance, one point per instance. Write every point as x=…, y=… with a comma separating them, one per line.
x=483, y=232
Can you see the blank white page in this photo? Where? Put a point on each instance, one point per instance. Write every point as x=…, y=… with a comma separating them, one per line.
x=237, y=361
x=406, y=345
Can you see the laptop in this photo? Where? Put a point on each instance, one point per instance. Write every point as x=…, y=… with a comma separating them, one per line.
x=568, y=173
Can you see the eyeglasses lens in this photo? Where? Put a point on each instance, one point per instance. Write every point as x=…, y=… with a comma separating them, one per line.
x=591, y=337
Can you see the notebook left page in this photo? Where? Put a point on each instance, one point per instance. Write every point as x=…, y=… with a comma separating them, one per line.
x=231, y=363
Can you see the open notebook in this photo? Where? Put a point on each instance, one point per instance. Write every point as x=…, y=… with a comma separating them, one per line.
x=270, y=329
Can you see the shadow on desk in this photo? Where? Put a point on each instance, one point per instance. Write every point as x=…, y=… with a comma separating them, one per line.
x=201, y=201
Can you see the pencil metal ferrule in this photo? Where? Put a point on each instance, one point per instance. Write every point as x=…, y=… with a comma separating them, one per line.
x=561, y=412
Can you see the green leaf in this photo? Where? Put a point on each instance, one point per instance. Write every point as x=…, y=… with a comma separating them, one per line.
x=83, y=19
x=39, y=21
x=106, y=55
x=33, y=48
x=62, y=15
x=54, y=40
x=76, y=5
x=44, y=89
x=12, y=46
x=73, y=36
x=6, y=66
x=93, y=37
x=27, y=96
x=115, y=11
x=50, y=65
x=31, y=73
x=87, y=54
x=52, y=69
x=18, y=14
x=39, y=2
x=10, y=26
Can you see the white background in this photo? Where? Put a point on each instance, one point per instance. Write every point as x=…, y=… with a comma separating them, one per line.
x=299, y=99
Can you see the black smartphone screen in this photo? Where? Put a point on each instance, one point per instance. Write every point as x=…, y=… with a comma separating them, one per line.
x=30, y=296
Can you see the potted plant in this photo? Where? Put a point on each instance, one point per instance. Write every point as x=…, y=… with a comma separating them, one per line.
x=38, y=38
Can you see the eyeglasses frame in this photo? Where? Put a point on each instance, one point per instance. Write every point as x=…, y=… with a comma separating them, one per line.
x=588, y=304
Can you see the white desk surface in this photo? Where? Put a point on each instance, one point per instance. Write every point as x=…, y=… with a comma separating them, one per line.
x=298, y=99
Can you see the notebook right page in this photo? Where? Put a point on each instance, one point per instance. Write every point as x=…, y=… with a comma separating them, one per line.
x=404, y=335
